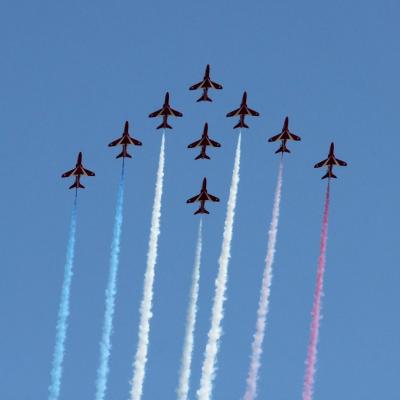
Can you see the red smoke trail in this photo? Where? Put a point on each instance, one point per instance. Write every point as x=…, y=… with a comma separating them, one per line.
x=316, y=311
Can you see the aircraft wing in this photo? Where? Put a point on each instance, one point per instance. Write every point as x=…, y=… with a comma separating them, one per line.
x=275, y=138
x=175, y=113
x=294, y=137
x=195, y=144
x=135, y=142
x=196, y=86
x=115, y=142
x=213, y=143
x=156, y=113
x=234, y=113
x=68, y=173
x=193, y=199
x=253, y=112
x=212, y=198
x=340, y=162
x=322, y=163
x=87, y=172
x=215, y=85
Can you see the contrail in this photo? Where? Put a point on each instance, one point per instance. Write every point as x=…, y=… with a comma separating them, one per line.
x=308, y=387
x=184, y=379
x=111, y=291
x=215, y=332
x=63, y=311
x=263, y=304
x=146, y=305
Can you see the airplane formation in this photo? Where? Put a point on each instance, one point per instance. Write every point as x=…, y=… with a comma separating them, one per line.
x=205, y=141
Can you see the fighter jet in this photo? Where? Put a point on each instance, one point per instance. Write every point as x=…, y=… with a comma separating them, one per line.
x=203, y=143
x=202, y=197
x=206, y=84
x=285, y=135
x=165, y=112
x=242, y=111
x=124, y=141
x=330, y=162
x=77, y=172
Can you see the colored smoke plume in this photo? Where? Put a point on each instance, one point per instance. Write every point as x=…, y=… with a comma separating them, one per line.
x=263, y=305
x=147, y=301
x=63, y=311
x=215, y=332
x=111, y=292
x=308, y=388
x=184, y=379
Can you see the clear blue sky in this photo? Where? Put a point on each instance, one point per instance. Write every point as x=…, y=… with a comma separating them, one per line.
x=72, y=72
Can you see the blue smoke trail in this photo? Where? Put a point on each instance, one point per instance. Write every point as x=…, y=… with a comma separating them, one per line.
x=111, y=291
x=63, y=311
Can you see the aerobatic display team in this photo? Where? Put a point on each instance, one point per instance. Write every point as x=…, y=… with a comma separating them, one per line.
x=209, y=366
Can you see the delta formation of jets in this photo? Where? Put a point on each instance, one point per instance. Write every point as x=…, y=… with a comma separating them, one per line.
x=205, y=141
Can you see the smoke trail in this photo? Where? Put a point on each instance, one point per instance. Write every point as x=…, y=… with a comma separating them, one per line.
x=308, y=387
x=63, y=311
x=146, y=305
x=183, y=389
x=215, y=332
x=111, y=291
x=263, y=304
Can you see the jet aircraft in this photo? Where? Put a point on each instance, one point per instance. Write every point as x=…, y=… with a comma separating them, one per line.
x=284, y=136
x=124, y=141
x=165, y=112
x=203, y=143
x=242, y=111
x=77, y=172
x=206, y=84
x=202, y=197
x=330, y=162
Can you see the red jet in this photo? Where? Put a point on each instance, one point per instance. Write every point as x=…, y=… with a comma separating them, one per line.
x=165, y=112
x=206, y=84
x=124, y=141
x=242, y=111
x=203, y=143
x=285, y=135
x=330, y=162
x=77, y=172
x=202, y=197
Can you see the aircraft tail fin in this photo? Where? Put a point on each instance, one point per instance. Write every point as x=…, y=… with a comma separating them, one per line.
x=241, y=124
x=204, y=97
x=282, y=149
x=201, y=210
x=329, y=174
x=124, y=154
x=202, y=156
x=164, y=125
x=77, y=185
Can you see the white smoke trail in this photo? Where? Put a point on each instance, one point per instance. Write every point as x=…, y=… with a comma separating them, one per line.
x=184, y=379
x=111, y=291
x=255, y=363
x=215, y=332
x=63, y=311
x=146, y=305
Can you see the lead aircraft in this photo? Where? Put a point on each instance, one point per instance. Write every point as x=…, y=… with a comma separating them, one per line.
x=206, y=84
